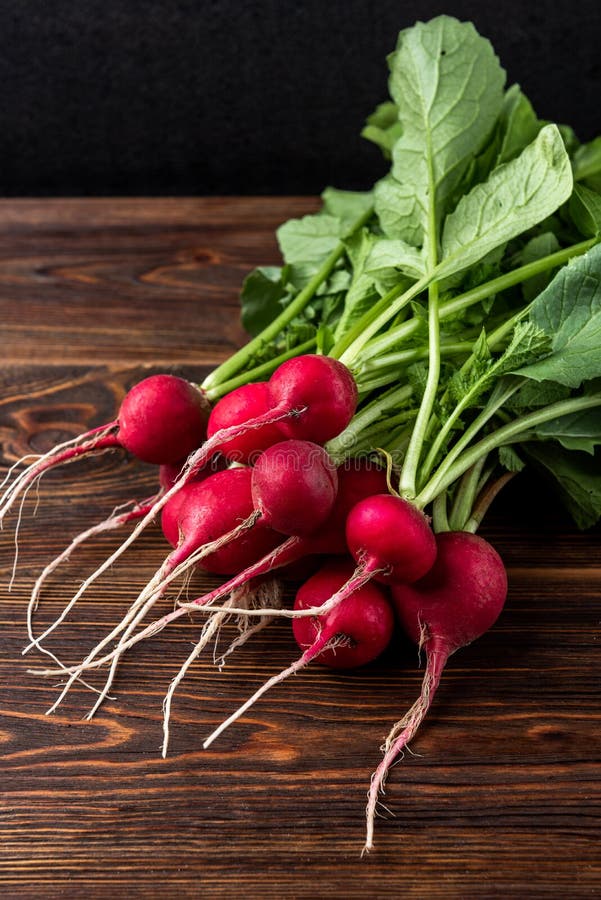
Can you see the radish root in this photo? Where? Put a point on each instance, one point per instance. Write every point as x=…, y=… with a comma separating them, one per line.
x=116, y=520
x=401, y=733
x=242, y=596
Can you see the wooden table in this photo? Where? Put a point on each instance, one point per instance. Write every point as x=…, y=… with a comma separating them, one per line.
x=500, y=796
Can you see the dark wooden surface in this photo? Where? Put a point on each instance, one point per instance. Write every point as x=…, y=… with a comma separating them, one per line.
x=500, y=797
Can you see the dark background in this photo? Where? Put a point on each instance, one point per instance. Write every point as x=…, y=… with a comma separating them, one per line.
x=232, y=97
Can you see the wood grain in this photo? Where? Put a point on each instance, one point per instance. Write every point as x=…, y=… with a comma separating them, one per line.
x=501, y=795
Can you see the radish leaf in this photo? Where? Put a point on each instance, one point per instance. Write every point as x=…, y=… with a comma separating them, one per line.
x=569, y=311
x=448, y=87
x=516, y=196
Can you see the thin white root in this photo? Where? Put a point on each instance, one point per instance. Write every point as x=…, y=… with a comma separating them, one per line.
x=15, y=487
x=210, y=628
x=401, y=734
x=11, y=469
x=360, y=577
x=270, y=591
x=158, y=584
x=317, y=647
x=13, y=574
x=92, y=661
x=115, y=520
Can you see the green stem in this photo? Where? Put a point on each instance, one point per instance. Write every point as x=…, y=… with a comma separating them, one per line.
x=502, y=391
x=238, y=361
x=259, y=373
x=406, y=357
x=344, y=342
x=381, y=344
x=390, y=305
x=512, y=433
x=484, y=500
x=498, y=335
x=440, y=521
x=407, y=486
x=466, y=494
x=340, y=446
x=374, y=384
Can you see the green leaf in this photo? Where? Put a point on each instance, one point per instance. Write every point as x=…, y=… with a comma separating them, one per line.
x=397, y=211
x=569, y=311
x=516, y=196
x=534, y=395
x=325, y=339
x=528, y=342
x=537, y=248
x=484, y=372
x=510, y=459
x=587, y=160
x=261, y=298
x=383, y=128
x=448, y=87
x=576, y=475
x=310, y=239
x=388, y=253
x=348, y=206
x=585, y=210
x=519, y=124
x=462, y=383
x=368, y=272
x=569, y=137
x=579, y=431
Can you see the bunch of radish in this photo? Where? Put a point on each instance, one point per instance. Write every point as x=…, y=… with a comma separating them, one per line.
x=279, y=499
x=420, y=345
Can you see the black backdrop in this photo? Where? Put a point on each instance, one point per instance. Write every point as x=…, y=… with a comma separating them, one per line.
x=235, y=97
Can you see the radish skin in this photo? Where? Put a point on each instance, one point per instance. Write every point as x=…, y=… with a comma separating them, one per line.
x=248, y=401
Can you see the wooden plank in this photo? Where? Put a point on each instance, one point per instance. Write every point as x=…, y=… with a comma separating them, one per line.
x=120, y=281
x=500, y=797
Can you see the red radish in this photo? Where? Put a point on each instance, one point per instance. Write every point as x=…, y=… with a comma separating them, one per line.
x=391, y=541
x=223, y=526
x=389, y=533
x=248, y=401
x=294, y=485
x=162, y=419
x=170, y=472
x=211, y=509
x=459, y=599
x=365, y=619
x=353, y=634
x=321, y=389
x=317, y=396
x=168, y=475
x=292, y=490
x=311, y=398
x=356, y=479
